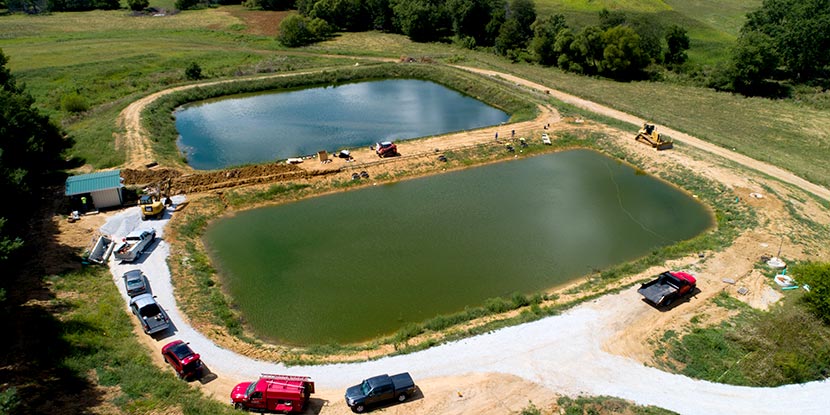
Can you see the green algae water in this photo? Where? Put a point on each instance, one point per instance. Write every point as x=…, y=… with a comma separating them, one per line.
x=255, y=128
x=352, y=266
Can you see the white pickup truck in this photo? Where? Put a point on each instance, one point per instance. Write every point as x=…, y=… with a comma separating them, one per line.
x=134, y=244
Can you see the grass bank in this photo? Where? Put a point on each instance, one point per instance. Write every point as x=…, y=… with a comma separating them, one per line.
x=594, y=405
x=782, y=346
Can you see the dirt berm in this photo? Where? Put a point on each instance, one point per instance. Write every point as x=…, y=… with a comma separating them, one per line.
x=194, y=182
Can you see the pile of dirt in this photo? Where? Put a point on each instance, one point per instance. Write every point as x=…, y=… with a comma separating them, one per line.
x=143, y=177
x=181, y=182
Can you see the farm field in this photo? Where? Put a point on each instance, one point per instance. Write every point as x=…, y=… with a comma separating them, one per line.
x=112, y=60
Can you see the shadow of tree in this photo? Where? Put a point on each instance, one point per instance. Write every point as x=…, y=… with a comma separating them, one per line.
x=35, y=349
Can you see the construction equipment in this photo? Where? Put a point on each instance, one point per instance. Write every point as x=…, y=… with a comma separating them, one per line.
x=151, y=206
x=649, y=135
x=153, y=201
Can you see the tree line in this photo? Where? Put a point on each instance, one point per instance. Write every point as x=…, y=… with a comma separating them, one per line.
x=31, y=161
x=782, y=43
x=619, y=47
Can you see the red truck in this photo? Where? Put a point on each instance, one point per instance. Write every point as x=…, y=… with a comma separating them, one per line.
x=386, y=149
x=273, y=393
x=668, y=286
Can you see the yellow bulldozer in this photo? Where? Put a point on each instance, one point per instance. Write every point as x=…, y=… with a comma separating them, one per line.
x=649, y=135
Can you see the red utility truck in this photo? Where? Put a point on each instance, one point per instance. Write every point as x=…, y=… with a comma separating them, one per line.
x=273, y=393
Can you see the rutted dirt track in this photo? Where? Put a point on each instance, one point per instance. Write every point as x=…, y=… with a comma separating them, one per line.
x=598, y=348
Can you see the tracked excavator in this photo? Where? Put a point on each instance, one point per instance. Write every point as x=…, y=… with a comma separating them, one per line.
x=649, y=135
x=153, y=201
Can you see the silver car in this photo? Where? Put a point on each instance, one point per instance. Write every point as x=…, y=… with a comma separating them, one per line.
x=153, y=318
x=135, y=282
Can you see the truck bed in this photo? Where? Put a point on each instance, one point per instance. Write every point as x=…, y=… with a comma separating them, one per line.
x=656, y=291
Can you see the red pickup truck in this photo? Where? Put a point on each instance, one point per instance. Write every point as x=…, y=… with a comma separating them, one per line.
x=273, y=393
x=386, y=149
x=668, y=286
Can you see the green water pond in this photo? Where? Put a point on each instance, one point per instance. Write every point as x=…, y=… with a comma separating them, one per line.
x=352, y=266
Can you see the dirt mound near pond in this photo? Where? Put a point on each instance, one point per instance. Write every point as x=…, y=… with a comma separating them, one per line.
x=181, y=182
x=143, y=177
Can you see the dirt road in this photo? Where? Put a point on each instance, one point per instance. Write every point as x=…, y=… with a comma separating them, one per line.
x=598, y=348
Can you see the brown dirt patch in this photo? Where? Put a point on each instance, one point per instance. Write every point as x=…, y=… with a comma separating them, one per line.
x=258, y=22
x=187, y=182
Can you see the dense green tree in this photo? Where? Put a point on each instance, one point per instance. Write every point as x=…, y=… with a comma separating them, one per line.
x=524, y=12
x=276, y=4
x=421, y=20
x=294, y=31
x=498, y=15
x=622, y=57
x=817, y=276
x=589, y=45
x=8, y=244
x=511, y=37
x=305, y=6
x=566, y=58
x=31, y=157
x=187, y=4
x=609, y=19
x=651, y=35
x=82, y=5
x=468, y=18
x=678, y=43
x=319, y=28
x=544, y=37
x=800, y=34
x=138, y=5
x=753, y=63
x=350, y=15
x=193, y=71
x=380, y=14
x=28, y=6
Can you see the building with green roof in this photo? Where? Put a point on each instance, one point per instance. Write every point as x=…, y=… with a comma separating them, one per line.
x=95, y=190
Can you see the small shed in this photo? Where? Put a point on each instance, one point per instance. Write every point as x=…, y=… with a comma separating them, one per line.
x=95, y=190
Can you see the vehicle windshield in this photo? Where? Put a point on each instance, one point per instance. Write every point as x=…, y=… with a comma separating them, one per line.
x=181, y=351
x=250, y=389
x=134, y=283
x=150, y=310
x=365, y=388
